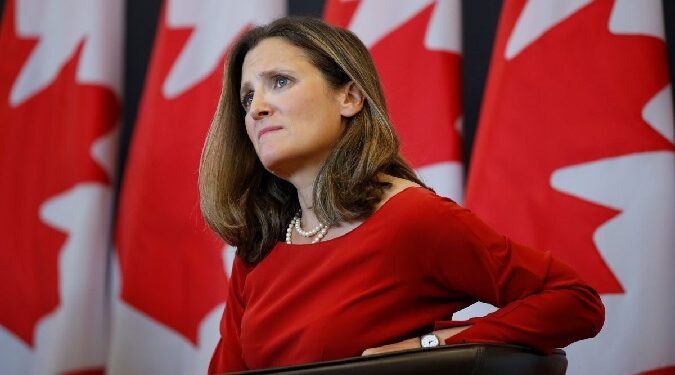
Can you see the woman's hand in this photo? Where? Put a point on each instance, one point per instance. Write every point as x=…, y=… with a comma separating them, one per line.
x=414, y=343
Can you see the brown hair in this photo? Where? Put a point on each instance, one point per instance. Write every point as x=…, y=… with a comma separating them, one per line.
x=248, y=206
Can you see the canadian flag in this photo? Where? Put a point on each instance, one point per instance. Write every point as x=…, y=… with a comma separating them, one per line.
x=60, y=76
x=416, y=46
x=575, y=154
x=172, y=269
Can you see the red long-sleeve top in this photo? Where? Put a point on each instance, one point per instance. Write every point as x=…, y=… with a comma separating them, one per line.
x=402, y=273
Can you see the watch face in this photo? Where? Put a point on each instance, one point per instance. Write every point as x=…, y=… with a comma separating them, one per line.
x=429, y=341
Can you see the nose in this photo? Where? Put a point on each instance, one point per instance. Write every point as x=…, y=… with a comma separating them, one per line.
x=260, y=107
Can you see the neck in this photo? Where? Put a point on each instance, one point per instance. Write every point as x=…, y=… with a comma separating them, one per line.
x=302, y=174
x=304, y=184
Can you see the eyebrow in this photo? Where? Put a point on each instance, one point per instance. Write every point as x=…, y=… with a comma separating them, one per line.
x=246, y=86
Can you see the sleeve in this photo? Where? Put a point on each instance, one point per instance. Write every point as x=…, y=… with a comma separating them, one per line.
x=543, y=303
x=228, y=355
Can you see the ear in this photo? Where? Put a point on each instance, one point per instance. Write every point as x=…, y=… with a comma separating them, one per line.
x=351, y=100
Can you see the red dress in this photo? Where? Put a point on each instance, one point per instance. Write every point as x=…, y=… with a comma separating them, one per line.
x=401, y=273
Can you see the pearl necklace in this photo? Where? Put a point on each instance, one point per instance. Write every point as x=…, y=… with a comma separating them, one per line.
x=318, y=233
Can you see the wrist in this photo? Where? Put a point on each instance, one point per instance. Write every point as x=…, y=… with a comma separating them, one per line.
x=444, y=334
x=430, y=340
x=437, y=338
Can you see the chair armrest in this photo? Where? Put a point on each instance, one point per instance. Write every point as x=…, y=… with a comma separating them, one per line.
x=460, y=359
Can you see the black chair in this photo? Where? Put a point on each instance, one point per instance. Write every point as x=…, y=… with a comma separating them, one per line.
x=461, y=359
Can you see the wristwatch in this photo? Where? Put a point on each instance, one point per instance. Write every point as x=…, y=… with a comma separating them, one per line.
x=429, y=341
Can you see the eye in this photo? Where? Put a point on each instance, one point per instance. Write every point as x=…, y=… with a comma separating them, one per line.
x=280, y=81
x=246, y=100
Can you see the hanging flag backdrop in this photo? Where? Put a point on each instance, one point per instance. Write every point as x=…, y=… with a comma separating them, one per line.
x=416, y=45
x=172, y=267
x=60, y=78
x=575, y=154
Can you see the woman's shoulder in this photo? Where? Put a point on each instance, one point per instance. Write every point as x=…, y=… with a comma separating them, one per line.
x=398, y=185
x=410, y=192
x=410, y=201
x=418, y=217
x=240, y=269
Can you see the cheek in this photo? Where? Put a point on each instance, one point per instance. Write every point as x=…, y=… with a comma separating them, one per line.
x=248, y=122
x=315, y=115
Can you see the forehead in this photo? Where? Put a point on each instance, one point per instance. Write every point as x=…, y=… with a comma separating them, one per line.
x=273, y=54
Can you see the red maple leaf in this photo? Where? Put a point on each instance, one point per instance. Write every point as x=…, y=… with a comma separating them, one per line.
x=340, y=13
x=421, y=86
x=423, y=94
x=45, y=146
x=574, y=95
x=172, y=269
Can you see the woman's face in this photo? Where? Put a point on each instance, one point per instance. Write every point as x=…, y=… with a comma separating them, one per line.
x=293, y=116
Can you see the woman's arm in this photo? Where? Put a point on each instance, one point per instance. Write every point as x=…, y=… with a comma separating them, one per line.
x=543, y=303
x=443, y=334
x=227, y=355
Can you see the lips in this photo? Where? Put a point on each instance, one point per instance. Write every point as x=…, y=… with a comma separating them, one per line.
x=268, y=129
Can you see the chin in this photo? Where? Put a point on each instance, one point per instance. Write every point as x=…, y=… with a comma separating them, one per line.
x=271, y=161
x=281, y=166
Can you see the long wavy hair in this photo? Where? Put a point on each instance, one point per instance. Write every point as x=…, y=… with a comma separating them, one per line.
x=250, y=207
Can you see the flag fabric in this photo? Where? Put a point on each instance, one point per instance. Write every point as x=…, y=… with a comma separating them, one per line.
x=60, y=78
x=172, y=268
x=416, y=46
x=574, y=154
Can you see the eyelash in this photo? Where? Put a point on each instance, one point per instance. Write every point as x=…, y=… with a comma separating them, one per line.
x=279, y=78
x=246, y=100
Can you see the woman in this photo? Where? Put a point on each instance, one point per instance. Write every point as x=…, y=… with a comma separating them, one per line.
x=301, y=139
